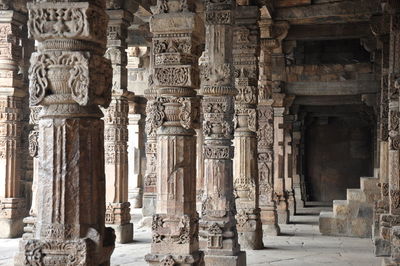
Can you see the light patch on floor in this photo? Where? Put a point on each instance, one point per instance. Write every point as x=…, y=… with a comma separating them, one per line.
x=301, y=244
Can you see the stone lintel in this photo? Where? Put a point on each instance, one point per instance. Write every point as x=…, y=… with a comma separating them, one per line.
x=329, y=31
x=328, y=100
x=338, y=12
x=350, y=87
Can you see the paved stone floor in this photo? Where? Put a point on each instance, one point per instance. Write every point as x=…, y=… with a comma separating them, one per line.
x=301, y=244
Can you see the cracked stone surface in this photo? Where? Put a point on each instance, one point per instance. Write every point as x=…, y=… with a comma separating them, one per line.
x=300, y=244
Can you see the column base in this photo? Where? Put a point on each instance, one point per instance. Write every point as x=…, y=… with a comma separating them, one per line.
x=235, y=260
x=291, y=206
x=271, y=229
x=251, y=240
x=381, y=248
x=195, y=259
x=69, y=252
x=135, y=197
x=283, y=216
x=149, y=205
x=269, y=221
x=11, y=227
x=123, y=232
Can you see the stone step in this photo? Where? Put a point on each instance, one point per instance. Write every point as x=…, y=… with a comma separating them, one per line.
x=355, y=194
x=331, y=225
x=340, y=207
x=369, y=184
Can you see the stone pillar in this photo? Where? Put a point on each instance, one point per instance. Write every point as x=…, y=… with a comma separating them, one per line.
x=176, y=35
x=34, y=152
x=390, y=223
x=271, y=35
x=199, y=167
x=279, y=160
x=69, y=77
x=380, y=28
x=12, y=203
x=245, y=174
x=150, y=177
x=296, y=173
x=116, y=132
x=218, y=224
x=288, y=168
x=135, y=152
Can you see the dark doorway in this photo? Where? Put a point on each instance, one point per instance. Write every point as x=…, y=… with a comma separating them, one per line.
x=339, y=150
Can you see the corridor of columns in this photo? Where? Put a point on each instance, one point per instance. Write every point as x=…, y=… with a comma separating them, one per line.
x=190, y=132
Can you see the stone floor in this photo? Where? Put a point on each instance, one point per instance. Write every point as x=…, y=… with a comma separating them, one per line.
x=300, y=244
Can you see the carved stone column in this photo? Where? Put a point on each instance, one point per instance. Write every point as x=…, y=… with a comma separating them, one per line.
x=150, y=178
x=116, y=132
x=12, y=203
x=199, y=167
x=218, y=224
x=288, y=168
x=296, y=171
x=380, y=26
x=245, y=174
x=34, y=152
x=69, y=77
x=135, y=151
x=176, y=35
x=272, y=33
x=279, y=160
x=390, y=223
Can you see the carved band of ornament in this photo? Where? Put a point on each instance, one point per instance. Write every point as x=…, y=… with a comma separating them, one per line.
x=184, y=229
x=222, y=17
x=150, y=180
x=81, y=21
x=269, y=44
x=151, y=147
x=33, y=143
x=164, y=6
x=384, y=189
x=247, y=94
x=118, y=213
x=53, y=252
x=34, y=115
x=173, y=59
x=222, y=129
x=211, y=152
x=394, y=199
x=59, y=77
x=154, y=116
x=394, y=117
x=173, y=76
x=172, y=45
x=217, y=75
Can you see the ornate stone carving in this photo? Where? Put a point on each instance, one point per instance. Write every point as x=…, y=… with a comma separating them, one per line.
x=70, y=78
x=61, y=76
x=172, y=117
x=217, y=225
x=60, y=20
